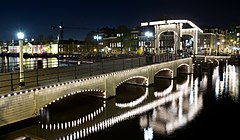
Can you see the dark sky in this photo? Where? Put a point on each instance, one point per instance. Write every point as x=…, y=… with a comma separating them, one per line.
x=35, y=17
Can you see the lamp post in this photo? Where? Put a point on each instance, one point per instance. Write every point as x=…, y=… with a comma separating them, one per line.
x=218, y=44
x=98, y=37
x=20, y=36
x=148, y=34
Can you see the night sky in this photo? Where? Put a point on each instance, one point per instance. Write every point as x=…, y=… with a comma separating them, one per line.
x=36, y=17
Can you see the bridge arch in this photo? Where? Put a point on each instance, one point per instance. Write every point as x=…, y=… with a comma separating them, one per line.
x=216, y=61
x=135, y=102
x=137, y=80
x=165, y=41
x=166, y=30
x=165, y=92
x=71, y=94
x=168, y=40
x=164, y=73
x=180, y=26
x=184, y=68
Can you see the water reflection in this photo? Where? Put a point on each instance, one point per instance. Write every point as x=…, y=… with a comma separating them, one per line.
x=168, y=112
x=227, y=82
x=59, y=116
x=181, y=109
x=135, y=102
x=9, y=64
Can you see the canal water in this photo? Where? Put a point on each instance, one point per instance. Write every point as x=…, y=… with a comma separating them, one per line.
x=11, y=64
x=188, y=107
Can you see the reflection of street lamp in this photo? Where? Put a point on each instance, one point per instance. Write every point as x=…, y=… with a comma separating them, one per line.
x=148, y=34
x=98, y=37
x=218, y=44
x=20, y=36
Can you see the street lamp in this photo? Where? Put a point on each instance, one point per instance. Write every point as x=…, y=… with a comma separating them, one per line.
x=98, y=37
x=148, y=34
x=218, y=44
x=20, y=36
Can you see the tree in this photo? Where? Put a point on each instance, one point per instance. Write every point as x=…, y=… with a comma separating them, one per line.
x=123, y=36
x=90, y=42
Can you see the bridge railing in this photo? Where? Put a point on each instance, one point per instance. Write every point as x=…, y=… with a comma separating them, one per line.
x=9, y=82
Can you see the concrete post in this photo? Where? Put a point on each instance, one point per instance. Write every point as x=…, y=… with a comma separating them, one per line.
x=21, y=83
x=150, y=75
x=110, y=86
x=156, y=39
x=174, y=70
x=195, y=41
x=190, y=68
x=180, y=36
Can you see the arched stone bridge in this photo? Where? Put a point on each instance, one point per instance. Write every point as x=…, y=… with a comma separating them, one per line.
x=26, y=104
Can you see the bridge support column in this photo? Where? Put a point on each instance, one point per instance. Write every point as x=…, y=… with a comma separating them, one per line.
x=156, y=40
x=190, y=69
x=110, y=86
x=180, y=36
x=35, y=103
x=195, y=42
x=110, y=108
x=174, y=70
x=150, y=76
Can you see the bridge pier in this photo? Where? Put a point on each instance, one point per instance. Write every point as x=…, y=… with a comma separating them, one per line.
x=110, y=86
x=174, y=70
x=150, y=76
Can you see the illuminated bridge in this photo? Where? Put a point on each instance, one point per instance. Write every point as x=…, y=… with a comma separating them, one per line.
x=26, y=104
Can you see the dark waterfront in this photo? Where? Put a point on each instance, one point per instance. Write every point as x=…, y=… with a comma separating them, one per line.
x=11, y=64
x=188, y=107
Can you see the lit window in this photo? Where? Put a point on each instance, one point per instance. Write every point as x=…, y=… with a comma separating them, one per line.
x=119, y=44
x=141, y=43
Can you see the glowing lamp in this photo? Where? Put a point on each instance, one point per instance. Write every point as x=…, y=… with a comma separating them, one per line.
x=20, y=35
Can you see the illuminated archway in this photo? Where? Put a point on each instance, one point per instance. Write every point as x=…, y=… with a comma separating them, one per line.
x=164, y=73
x=183, y=68
x=137, y=80
x=180, y=26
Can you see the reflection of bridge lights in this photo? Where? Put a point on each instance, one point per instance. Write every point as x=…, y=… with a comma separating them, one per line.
x=217, y=87
x=184, y=87
x=230, y=83
x=74, y=123
x=164, y=92
x=148, y=133
x=182, y=117
x=171, y=126
x=125, y=116
x=133, y=103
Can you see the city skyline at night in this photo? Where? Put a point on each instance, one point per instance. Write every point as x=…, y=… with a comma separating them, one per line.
x=36, y=18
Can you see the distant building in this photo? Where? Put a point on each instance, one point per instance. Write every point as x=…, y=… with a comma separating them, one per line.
x=238, y=35
x=119, y=42
x=213, y=41
x=207, y=43
x=70, y=46
x=1, y=47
